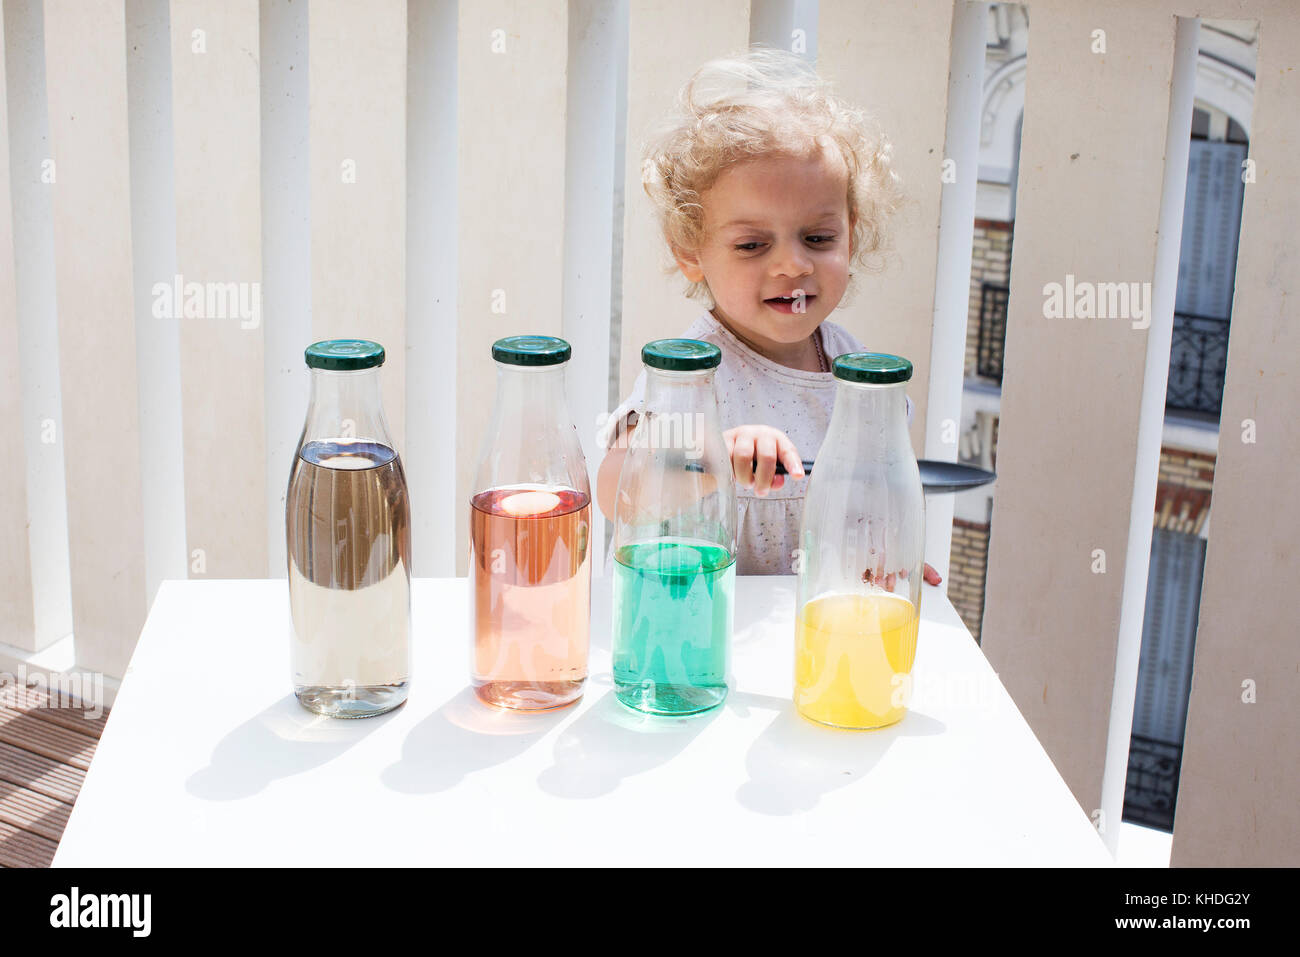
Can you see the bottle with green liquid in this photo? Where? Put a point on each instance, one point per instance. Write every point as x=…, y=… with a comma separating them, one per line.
x=675, y=540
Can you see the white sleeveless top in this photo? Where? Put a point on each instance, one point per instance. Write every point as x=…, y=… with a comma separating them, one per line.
x=754, y=390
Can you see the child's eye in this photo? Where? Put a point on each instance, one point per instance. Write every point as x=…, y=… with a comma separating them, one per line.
x=821, y=240
x=747, y=247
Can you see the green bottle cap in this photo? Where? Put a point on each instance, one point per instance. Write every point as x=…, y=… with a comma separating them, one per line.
x=531, y=350
x=877, y=368
x=344, y=355
x=681, y=355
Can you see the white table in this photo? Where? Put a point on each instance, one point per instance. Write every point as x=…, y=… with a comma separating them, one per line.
x=207, y=758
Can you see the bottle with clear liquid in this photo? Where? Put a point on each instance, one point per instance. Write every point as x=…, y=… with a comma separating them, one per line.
x=862, y=545
x=348, y=532
x=675, y=540
x=530, y=529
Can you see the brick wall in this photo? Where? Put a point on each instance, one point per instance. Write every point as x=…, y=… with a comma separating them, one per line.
x=1187, y=468
x=967, y=563
x=1183, y=489
x=990, y=262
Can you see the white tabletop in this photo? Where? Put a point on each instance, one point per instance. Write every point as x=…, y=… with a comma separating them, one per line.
x=207, y=758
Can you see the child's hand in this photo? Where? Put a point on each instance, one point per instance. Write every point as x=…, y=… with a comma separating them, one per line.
x=929, y=574
x=754, y=450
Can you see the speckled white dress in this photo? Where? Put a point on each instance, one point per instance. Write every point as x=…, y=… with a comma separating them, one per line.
x=754, y=390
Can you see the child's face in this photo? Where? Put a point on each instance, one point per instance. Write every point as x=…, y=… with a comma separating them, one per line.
x=772, y=226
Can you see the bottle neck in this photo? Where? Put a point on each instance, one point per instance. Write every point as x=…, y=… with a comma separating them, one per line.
x=867, y=415
x=881, y=403
x=530, y=400
x=532, y=439
x=346, y=405
x=667, y=391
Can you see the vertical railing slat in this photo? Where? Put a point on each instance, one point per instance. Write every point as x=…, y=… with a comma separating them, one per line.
x=85, y=48
x=953, y=266
x=153, y=259
x=286, y=250
x=17, y=621
x=357, y=79
x=1236, y=789
x=892, y=60
x=217, y=119
x=1088, y=209
x=431, y=284
x=31, y=192
x=510, y=200
x=595, y=41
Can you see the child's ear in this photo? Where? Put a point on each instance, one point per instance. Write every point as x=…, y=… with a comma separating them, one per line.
x=689, y=264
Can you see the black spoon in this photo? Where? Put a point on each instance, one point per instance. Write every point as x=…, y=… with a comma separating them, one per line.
x=936, y=477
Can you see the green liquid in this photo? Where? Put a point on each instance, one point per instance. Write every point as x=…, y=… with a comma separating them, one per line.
x=672, y=625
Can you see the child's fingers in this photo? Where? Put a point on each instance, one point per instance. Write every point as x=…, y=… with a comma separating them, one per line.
x=765, y=455
x=789, y=455
x=742, y=459
x=931, y=576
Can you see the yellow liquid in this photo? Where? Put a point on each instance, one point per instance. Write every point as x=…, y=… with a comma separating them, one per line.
x=848, y=650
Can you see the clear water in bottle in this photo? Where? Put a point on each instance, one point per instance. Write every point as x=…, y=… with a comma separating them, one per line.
x=349, y=578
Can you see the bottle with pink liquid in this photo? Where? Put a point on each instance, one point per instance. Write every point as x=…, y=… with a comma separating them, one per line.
x=530, y=521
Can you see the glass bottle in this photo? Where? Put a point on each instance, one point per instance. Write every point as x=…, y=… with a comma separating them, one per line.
x=348, y=532
x=675, y=540
x=530, y=522
x=861, y=552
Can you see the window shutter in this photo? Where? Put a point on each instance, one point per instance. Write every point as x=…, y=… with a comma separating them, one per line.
x=1207, y=261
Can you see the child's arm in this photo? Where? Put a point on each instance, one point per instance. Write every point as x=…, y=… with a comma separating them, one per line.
x=607, y=476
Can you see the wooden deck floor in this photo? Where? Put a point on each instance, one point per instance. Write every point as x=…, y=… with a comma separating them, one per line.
x=44, y=753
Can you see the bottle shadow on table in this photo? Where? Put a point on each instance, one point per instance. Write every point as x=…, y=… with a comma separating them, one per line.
x=278, y=742
x=461, y=737
x=609, y=742
x=795, y=762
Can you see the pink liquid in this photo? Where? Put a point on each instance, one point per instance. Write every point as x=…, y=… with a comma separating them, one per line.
x=530, y=611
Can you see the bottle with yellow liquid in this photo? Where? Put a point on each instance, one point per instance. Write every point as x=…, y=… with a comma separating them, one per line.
x=861, y=553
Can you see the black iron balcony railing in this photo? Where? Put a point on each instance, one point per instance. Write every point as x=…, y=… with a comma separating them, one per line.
x=993, y=330
x=1198, y=353
x=1198, y=356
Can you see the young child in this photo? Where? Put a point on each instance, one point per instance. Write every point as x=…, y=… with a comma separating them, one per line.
x=768, y=189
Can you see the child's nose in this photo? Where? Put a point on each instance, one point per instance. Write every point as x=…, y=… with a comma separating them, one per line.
x=790, y=261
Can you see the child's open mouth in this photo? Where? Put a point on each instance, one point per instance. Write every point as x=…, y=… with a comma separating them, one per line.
x=786, y=304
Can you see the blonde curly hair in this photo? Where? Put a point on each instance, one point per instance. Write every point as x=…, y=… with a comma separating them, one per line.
x=765, y=101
